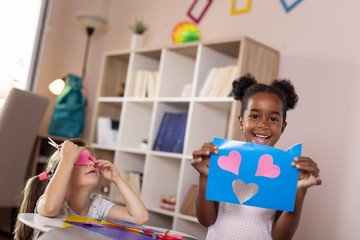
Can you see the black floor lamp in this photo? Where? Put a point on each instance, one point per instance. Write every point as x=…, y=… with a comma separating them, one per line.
x=91, y=22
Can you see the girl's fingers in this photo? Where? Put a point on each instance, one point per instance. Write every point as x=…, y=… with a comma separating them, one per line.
x=104, y=165
x=101, y=161
x=206, y=150
x=302, y=165
x=306, y=164
x=310, y=169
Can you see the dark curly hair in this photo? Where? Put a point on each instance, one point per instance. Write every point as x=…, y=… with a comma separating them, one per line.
x=246, y=86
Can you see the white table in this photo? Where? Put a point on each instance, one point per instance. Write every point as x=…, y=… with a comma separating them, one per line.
x=56, y=230
x=41, y=223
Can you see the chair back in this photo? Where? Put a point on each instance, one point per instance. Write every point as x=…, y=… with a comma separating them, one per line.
x=20, y=120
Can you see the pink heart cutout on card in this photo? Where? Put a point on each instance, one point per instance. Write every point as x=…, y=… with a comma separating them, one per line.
x=230, y=163
x=266, y=168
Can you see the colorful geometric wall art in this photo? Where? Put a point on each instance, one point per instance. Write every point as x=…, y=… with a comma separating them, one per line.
x=242, y=10
x=196, y=4
x=289, y=7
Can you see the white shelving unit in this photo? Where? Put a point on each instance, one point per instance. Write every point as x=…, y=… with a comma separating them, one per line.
x=140, y=118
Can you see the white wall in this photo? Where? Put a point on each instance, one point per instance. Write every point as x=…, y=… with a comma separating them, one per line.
x=319, y=43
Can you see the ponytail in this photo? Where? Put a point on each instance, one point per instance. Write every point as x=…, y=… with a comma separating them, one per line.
x=34, y=188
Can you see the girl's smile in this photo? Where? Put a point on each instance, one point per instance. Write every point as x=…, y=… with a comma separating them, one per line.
x=262, y=122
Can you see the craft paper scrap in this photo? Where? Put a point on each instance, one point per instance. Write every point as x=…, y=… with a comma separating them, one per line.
x=253, y=174
x=78, y=219
x=112, y=232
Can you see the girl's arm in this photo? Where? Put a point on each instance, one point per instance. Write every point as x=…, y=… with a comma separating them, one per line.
x=135, y=210
x=286, y=224
x=51, y=202
x=206, y=210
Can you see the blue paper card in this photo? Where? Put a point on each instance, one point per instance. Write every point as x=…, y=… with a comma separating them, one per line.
x=253, y=174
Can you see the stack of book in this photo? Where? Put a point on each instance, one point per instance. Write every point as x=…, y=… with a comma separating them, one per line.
x=107, y=130
x=133, y=179
x=144, y=83
x=218, y=82
x=171, y=133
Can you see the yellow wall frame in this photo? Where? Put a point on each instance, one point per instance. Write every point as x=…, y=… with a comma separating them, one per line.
x=236, y=11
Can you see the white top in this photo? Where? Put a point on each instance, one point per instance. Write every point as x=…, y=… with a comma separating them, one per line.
x=242, y=222
x=99, y=207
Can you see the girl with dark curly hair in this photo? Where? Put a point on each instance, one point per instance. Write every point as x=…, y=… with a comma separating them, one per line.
x=262, y=120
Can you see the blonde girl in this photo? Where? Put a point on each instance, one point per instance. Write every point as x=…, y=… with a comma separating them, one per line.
x=65, y=188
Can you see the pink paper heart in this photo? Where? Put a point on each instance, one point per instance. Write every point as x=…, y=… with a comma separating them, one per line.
x=230, y=163
x=266, y=168
x=244, y=192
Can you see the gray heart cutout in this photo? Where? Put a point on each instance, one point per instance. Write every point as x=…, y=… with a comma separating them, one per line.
x=244, y=192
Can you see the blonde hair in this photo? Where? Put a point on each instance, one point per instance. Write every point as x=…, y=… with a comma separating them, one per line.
x=34, y=188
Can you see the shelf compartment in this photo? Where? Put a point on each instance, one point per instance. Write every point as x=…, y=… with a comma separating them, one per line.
x=208, y=120
x=135, y=125
x=161, y=177
x=176, y=122
x=177, y=70
x=115, y=75
x=131, y=165
x=111, y=110
x=140, y=62
x=191, y=228
x=215, y=56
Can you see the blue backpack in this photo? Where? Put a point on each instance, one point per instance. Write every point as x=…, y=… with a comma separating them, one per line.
x=68, y=118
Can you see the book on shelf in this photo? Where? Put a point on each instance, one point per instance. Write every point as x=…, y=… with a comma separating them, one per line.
x=107, y=130
x=188, y=206
x=171, y=133
x=133, y=179
x=144, y=83
x=218, y=82
x=205, y=88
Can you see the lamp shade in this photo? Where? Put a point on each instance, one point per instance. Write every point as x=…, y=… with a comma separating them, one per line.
x=90, y=20
x=57, y=86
